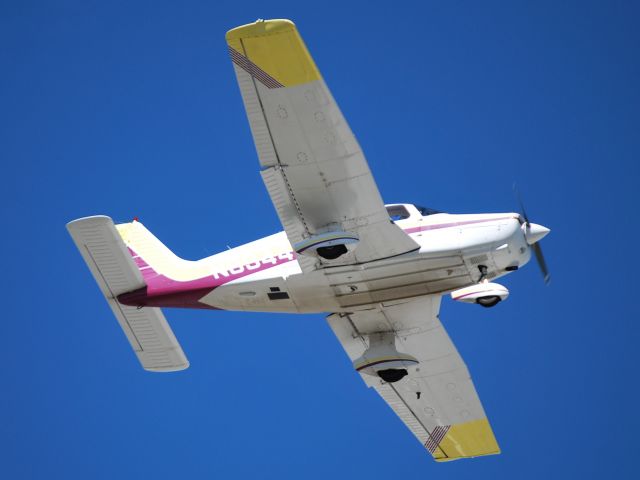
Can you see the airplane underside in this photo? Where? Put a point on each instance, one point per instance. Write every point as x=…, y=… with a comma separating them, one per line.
x=378, y=270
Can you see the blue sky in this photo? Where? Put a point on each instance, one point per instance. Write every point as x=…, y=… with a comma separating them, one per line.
x=131, y=109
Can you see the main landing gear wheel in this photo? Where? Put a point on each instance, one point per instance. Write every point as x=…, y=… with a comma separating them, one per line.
x=392, y=375
x=332, y=252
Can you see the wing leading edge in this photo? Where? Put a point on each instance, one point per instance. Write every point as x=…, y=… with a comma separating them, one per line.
x=436, y=400
x=313, y=167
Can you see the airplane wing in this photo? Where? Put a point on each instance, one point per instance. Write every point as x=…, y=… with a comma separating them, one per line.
x=312, y=165
x=436, y=400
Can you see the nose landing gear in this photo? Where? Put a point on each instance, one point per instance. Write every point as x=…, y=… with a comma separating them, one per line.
x=483, y=293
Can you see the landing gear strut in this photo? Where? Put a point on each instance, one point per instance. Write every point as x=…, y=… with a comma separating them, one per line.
x=483, y=273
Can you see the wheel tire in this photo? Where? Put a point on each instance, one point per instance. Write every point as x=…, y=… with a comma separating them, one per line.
x=332, y=252
x=489, y=301
x=391, y=375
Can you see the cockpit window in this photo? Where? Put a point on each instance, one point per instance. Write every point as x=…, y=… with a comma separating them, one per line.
x=397, y=212
x=424, y=211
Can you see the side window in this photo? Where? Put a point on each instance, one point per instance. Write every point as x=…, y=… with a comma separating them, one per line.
x=397, y=212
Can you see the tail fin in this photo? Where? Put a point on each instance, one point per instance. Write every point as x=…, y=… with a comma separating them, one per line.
x=155, y=260
x=114, y=269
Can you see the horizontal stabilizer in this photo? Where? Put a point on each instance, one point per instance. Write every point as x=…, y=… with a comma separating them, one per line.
x=115, y=271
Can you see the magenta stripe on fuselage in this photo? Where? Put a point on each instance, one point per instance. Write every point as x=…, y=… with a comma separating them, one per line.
x=454, y=224
x=158, y=284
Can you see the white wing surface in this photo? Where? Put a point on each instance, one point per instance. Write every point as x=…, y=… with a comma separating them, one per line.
x=114, y=270
x=313, y=167
x=436, y=400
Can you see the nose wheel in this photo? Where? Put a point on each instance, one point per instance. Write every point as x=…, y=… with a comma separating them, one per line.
x=489, y=300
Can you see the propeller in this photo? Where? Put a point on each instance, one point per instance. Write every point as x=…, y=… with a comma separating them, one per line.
x=533, y=234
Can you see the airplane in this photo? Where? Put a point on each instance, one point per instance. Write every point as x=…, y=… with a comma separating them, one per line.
x=378, y=270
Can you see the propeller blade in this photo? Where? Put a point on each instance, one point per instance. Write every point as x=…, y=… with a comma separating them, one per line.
x=528, y=233
x=541, y=262
x=519, y=198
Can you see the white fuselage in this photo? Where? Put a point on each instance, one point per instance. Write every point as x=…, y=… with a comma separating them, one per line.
x=451, y=249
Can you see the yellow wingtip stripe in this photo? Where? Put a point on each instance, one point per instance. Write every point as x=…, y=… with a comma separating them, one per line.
x=469, y=439
x=275, y=46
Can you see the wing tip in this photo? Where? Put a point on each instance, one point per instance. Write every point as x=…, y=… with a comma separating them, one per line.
x=259, y=28
x=91, y=220
x=170, y=368
x=468, y=440
x=460, y=457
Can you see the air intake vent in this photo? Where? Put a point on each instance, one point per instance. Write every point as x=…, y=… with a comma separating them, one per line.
x=478, y=260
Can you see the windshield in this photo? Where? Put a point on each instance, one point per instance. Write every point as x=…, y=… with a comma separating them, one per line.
x=424, y=211
x=400, y=212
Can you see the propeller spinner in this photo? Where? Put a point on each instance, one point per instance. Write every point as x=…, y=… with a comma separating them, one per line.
x=533, y=234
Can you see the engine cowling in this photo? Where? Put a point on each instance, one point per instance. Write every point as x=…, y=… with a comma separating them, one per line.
x=486, y=294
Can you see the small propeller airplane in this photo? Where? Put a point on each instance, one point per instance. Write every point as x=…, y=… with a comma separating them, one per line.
x=378, y=270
